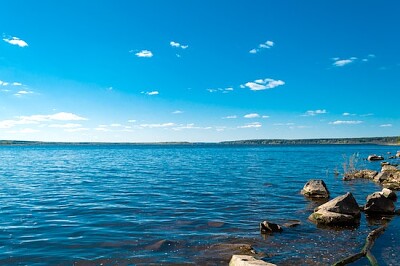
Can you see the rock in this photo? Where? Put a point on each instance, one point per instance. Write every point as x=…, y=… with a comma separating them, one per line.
x=341, y=211
x=398, y=154
x=267, y=227
x=375, y=157
x=388, y=167
x=390, y=194
x=377, y=203
x=292, y=223
x=315, y=189
x=245, y=260
x=368, y=174
x=385, y=163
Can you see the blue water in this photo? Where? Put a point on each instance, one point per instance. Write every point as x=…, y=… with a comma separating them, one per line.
x=153, y=205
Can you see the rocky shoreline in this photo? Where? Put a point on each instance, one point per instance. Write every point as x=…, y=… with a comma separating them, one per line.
x=343, y=211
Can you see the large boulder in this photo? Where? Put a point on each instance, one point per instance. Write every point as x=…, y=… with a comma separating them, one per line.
x=315, y=188
x=341, y=211
x=388, y=167
x=378, y=203
x=390, y=194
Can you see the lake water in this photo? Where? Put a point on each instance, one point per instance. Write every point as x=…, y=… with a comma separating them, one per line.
x=168, y=205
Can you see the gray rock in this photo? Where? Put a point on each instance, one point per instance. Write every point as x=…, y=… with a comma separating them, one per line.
x=398, y=154
x=245, y=260
x=315, y=188
x=377, y=203
x=267, y=227
x=341, y=211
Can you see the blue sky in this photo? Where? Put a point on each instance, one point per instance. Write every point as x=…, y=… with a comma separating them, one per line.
x=143, y=71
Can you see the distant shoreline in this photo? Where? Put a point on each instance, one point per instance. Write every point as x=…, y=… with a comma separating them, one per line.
x=264, y=142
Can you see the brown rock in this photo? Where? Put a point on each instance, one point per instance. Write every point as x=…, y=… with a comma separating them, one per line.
x=315, y=188
x=377, y=203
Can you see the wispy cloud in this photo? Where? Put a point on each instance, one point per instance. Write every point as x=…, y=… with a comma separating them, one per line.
x=251, y=125
x=151, y=93
x=143, y=53
x=161, y=125
x=253, y=115
x=315, y=112
x=178, y=45
x=222, y=90
x=348, y=114
x=15, y=41
x=190, y=126
x=284, y=124
x=230, y=117
x=342, y=62
x=346, y=122
x=69, y=125
x=386, y=125
x=265, y=45
x=262, y=84
x=37, y=119
x=177, y=112
x=23, y=92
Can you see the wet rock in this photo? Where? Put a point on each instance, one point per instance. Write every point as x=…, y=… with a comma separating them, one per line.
x=341, y=211
x=385, y=163
x=375, y=157
x=245, y=260
x=315, y=188
x=367, y=174
x=398, y=154
x=377, y=203
x=390, y=194
x=292, y=223
x=267, y=227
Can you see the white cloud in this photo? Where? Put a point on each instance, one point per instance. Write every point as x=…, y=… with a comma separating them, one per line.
x=178, y=45
x=23, y=92
x=315, y=112
x=265, y=45
x=177, y=112
x=16, y=84
x=346, y=122
x=76, y=129
x=131, y=121
x=222, y=90
x=69, y=125
x=265, y=116
x=284, y=124
x=150, y=92
x=163, y=125
x=342, y=62
x=144, y=53
x=230, y=117
x=254, y=115
x=251, y=125
x=263, y=84
x=36, y=119
x=189, y=126
x=115, y=125
x=386, y=125
x=15, y=41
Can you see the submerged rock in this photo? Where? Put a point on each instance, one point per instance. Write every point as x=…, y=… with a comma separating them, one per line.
x=341, y=211
x=378, y=203
x=315, y=188
x=375, y=157
x=245, y=260
x=267, y=227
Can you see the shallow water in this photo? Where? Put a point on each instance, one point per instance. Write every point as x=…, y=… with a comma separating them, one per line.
x=144, y=205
